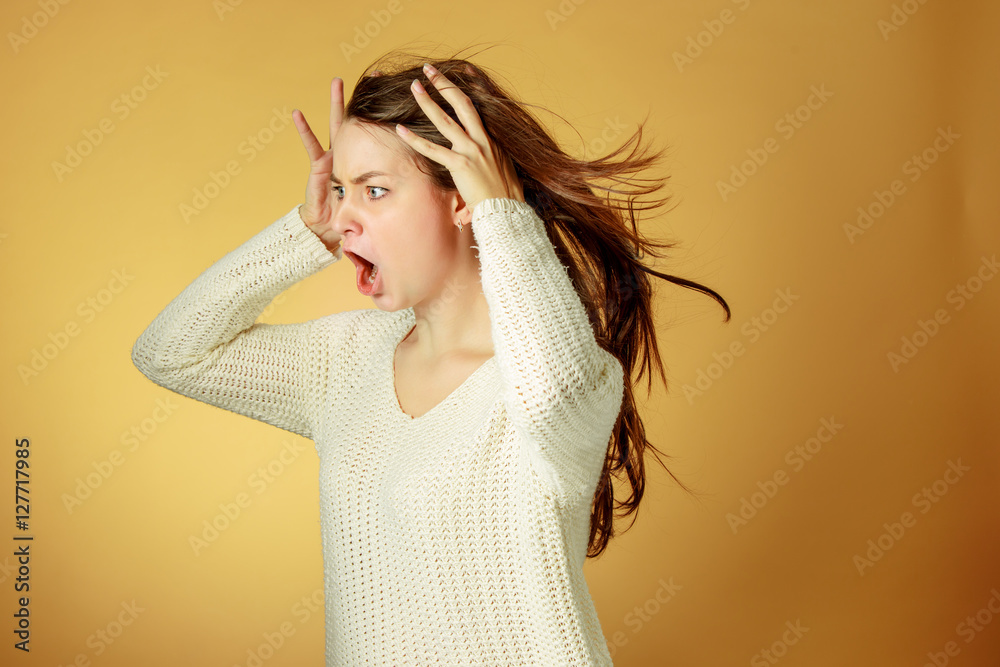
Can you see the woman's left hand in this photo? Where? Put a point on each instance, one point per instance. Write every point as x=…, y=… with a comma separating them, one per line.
x=471, y=159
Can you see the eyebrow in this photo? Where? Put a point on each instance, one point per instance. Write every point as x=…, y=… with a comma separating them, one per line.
x=359, y=179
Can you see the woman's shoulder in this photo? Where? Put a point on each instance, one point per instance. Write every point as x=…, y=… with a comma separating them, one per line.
x=368, y=324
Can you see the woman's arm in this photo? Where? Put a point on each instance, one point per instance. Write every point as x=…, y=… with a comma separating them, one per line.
x=562, y=390
x=205, y=343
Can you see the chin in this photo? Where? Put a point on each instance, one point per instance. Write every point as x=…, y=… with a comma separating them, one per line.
x=385, y=304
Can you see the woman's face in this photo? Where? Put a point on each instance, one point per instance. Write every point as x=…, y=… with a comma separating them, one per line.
x=398, y=220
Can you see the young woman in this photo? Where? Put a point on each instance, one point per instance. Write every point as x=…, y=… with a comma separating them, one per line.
x=468, y=427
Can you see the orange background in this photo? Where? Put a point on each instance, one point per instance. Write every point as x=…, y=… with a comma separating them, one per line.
x=736, y=587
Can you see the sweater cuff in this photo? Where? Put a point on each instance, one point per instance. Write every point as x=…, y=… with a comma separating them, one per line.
x=510, y=221
x=498, y=205
x=304, y=237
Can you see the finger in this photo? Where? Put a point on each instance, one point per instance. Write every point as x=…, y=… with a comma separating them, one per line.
x=309, y=140
x=464, y=109
x=430, y=149
x=336, y=107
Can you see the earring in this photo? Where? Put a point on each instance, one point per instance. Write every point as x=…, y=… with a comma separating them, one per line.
x=460, y=226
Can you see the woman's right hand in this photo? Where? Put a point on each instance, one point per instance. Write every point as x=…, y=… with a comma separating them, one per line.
x=317, y=211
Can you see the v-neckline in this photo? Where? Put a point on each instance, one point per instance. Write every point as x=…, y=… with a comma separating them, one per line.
x=405, y=327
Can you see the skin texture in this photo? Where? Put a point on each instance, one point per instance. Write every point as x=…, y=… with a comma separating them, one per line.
x=410, y=228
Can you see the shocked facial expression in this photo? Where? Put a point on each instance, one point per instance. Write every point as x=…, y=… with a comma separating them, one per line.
x=391, y=216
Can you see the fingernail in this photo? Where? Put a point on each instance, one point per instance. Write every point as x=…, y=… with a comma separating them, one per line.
x=417, y=87
x=428, y=68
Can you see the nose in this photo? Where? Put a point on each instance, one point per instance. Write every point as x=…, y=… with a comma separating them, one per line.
x=345, y=216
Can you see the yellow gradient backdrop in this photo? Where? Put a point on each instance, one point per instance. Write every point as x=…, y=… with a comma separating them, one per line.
x=834, y=169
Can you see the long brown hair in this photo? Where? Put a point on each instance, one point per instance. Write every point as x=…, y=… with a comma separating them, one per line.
x=595, y=238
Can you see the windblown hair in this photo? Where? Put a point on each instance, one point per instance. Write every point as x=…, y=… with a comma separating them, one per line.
x=595, y=236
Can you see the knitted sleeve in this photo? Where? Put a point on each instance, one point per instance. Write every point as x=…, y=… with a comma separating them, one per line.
x=562, y=390
x=206, y=345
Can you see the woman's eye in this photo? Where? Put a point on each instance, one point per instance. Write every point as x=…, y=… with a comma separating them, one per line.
x=340, y=194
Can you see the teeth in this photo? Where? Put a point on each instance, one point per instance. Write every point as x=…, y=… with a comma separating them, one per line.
x=371, y=278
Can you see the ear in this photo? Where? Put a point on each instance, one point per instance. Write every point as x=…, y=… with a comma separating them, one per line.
x=460, y=211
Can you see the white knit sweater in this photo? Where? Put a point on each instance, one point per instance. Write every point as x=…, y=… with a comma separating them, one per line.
x=454, y=538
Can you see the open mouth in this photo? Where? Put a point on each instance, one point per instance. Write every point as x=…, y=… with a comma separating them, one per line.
x=367, y=273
